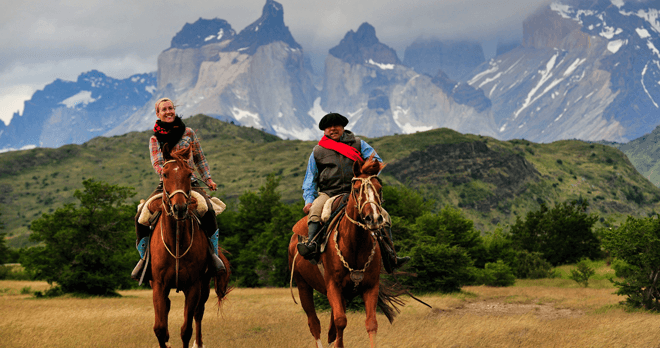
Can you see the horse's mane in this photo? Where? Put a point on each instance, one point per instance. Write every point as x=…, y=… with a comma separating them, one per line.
x=372, y=166
x=180, y=156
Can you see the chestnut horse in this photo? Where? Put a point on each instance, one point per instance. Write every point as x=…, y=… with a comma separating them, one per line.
x=179, y=253
x=352, y=261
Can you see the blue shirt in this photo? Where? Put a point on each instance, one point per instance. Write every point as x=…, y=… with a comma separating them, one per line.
x=310, y=185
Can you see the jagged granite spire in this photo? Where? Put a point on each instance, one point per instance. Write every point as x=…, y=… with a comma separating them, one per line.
x=203, y=32
x=361, y=46
x=268, y=28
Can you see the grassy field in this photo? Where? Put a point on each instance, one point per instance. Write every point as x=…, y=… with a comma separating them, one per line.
x=533, y=313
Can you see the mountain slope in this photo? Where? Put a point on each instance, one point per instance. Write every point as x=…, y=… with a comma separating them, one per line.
x=365, y=81
x=586, y=69
x=66, y=112
x=258, y=78
x=492, y=181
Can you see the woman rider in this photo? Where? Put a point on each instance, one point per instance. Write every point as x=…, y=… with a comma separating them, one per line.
x=170, y=130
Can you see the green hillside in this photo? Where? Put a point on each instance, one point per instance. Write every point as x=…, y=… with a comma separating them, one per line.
x=644, y=154
x=492, y=181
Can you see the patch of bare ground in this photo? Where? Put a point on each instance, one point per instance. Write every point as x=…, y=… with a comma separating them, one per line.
x=497, y=308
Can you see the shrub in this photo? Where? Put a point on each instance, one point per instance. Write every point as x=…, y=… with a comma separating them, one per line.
x=439, y=267
x=582, y=273
x=532, y=265
x=636, y=245
x=496, y=274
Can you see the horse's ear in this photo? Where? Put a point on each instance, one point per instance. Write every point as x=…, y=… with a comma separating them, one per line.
x=166, y=152
x=357, y=168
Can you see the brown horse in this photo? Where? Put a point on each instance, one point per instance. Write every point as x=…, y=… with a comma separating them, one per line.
x=352, y=261
x=179, y=252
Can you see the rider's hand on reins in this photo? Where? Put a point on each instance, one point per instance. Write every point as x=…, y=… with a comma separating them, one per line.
x=212, y=185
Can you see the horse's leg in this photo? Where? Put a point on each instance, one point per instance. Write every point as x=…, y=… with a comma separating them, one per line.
x=161, y=310
x=370, y=298
x=332, y=332
x=338, y=311
x=306, y=294
x=192, y=300
x=199, y=313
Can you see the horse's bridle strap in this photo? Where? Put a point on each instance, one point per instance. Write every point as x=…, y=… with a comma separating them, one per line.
x=365, y=182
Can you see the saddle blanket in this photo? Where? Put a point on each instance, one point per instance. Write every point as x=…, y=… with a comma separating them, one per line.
x=145, y=214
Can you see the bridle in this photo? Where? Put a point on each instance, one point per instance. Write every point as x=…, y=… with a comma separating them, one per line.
x=357, y=276
x=171, y=214
x=169, y=199
x=359, y=204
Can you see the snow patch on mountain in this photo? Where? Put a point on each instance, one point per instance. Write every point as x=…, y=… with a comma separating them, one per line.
x=246, y=117
x=317, y=112
x=382, y=66
x=82, y=97
x=615, y=45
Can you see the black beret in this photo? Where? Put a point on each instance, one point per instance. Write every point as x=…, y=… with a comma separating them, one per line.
x=332, y=119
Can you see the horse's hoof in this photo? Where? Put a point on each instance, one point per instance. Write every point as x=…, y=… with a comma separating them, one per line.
x=196, y=346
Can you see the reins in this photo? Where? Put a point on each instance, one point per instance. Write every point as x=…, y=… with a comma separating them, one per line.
x=358, y=275
x=365, y=182
x=171, y=213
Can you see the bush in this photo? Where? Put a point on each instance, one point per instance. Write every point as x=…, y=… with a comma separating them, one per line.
x=496, y=274
x=582, y=273
x=532, y=265
x=439, y=267
x=635, y=245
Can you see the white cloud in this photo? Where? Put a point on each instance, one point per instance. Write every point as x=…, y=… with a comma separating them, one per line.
x=12, y=99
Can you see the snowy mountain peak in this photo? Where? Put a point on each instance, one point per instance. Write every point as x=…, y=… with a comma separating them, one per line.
x=265, y=30
x=363, y=47
x=203, y=32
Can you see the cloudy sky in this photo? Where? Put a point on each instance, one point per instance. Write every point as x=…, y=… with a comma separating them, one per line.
x=47, y=40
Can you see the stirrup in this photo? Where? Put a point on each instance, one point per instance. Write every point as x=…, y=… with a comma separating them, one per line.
x=401, y=260
x=135, y=275
x=307, y=250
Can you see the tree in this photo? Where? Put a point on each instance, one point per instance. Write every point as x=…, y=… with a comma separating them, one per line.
x=563, y=234
x=636, y=247
x=87, y=249
x=257, y=236
x=4, y=249
x=405, y=202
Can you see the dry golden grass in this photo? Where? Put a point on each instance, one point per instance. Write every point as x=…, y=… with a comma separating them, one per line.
x=527, y=315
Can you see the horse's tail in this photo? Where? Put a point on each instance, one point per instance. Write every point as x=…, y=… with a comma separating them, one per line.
x=389, y=293
x=389, y=299
x=222, y=287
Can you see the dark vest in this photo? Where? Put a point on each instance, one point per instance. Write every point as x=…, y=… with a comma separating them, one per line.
x=335, y=169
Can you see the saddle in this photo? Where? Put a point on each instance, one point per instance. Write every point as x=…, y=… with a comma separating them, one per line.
x=329, y=217
x=149, y=215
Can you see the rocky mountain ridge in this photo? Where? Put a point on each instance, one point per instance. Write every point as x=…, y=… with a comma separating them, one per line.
x=585, y=69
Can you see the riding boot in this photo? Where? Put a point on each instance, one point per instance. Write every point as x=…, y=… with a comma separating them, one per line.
x=210, y=227
x=398, y=261
x=309, y=249
x=142, y=242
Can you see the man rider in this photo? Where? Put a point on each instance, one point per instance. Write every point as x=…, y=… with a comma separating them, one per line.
x=330, y=173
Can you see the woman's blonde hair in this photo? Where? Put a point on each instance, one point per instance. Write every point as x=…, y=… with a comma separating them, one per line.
x=162, y=100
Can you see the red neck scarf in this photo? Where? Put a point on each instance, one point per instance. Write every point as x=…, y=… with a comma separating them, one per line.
x=342, y=148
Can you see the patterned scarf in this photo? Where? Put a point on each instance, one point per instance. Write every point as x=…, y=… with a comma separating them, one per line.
x=169, y=133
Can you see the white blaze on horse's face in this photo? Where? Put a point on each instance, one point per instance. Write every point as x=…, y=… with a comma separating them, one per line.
x=368, y=201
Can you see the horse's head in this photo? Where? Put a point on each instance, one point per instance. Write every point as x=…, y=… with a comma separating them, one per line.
x=176, y=182
x=367, y=192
